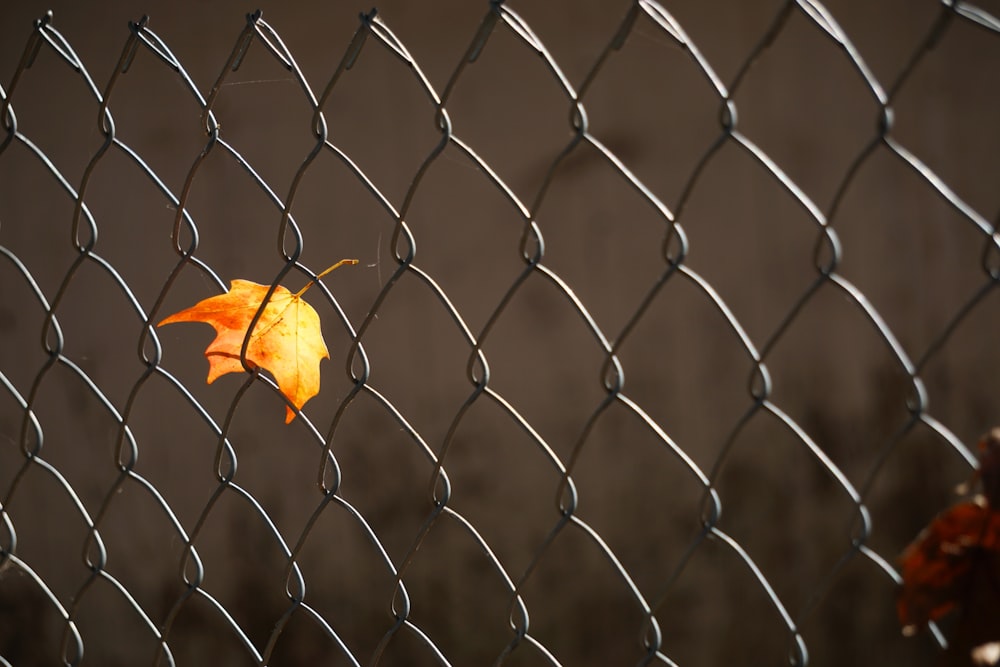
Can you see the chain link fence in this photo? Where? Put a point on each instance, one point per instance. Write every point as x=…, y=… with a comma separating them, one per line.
x=658, y=352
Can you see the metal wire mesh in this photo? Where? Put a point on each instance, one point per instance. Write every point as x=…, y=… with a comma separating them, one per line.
x=478, y=483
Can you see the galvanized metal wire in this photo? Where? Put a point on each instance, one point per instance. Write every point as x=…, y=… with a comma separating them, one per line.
x=653, y=642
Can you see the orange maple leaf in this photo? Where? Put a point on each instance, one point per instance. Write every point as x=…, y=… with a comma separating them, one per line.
x=287, y=340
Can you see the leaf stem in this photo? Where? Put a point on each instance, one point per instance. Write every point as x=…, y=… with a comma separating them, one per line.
x=323, y=273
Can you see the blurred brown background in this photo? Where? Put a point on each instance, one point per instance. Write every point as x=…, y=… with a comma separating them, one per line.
x=914, y=258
